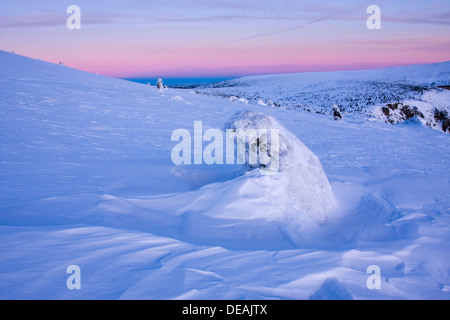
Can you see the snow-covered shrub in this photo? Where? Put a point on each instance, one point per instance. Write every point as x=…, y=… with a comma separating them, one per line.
x=426, y=113
x=337, y=112
x=441, y=116
x=159, y=84
x=300, y=181
x=399, y=112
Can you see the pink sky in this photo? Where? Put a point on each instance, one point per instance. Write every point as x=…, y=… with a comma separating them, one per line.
x=200, y=39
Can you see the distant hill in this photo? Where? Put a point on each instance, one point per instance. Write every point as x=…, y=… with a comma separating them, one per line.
x=358, y=93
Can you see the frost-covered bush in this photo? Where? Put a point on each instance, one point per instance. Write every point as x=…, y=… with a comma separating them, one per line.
x=159, y=84
x=442, y=117
x=337, y=112
x=300, y=179
x=424, y=113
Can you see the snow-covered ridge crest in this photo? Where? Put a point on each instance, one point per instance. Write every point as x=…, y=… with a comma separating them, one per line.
x=359, y=94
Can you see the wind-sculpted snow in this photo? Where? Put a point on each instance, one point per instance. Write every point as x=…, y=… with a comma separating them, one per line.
x=86, y=179
x=248, y=210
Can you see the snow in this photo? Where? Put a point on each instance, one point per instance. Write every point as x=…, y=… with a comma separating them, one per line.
x=391, y=265
x=359, y=93
x=261, y=103
x=86, y=179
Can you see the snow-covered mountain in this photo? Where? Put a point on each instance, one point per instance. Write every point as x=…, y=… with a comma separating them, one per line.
x=358, y=93
x=87, y=179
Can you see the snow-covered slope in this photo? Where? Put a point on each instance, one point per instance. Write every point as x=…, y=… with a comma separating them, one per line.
x=360, y=93
x=86, y=179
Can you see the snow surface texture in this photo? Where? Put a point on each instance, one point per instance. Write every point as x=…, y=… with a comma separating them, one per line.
x=356, y=93
x=86, y=179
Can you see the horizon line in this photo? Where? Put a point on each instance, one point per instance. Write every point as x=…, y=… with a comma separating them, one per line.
x=329, y=68
x=209, y=76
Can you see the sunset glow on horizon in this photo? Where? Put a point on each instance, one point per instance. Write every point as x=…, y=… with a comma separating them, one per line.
x=131, y=39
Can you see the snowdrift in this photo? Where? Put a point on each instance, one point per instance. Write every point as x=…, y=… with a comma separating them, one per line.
x=253, y=209
x=258, y=207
